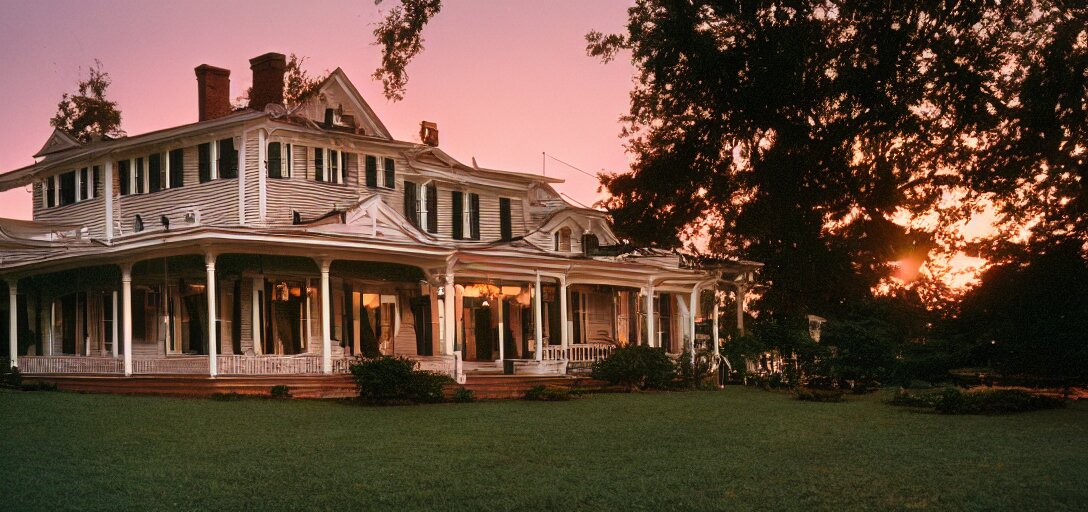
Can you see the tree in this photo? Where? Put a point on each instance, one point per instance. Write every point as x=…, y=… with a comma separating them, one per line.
x=297, y=83
x=805, y=135
x=88, y=113
x=400, y=36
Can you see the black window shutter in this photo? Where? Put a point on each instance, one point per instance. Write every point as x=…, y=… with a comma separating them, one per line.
x=458, y=215
x=474, y=210
x=432, y=209
x=319, y=167
x=96, y=180
x=51, y=191
x=154, y=172
x=204, y=153
x=228, y=159
x=371, y=171
x=411, y=204
x=390, y=173
x=275, y=160
x=506, y=227
x=122, y=176
x=177, y=168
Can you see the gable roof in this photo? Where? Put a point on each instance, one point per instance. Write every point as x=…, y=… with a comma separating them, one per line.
x=58, y=141
x=374, y=218
x=340, y=78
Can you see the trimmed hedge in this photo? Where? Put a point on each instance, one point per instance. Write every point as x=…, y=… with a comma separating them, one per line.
x=991, y=401
x=636, y=367
x=395, y=380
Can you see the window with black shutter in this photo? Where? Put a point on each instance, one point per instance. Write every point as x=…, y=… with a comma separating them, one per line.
x=506, y=226
x=345, y=159
x=96, y=180
x=67, y=188
x=124, y=177
x=177, y=168
x=275, y=160
x=140, y=172
x=154, y=172
x=371, y=171
x=290, y=163
x=204, y=162
x=334, y=166
x=474, y=215
x=319, y=164
x=228, y=159
x=411, y=203
x=50, y=192
x=458, y=211
x=390, y=174
x=84, y=183
x=432, y=208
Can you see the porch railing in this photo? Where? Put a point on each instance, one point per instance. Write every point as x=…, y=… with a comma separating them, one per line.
x=579, y=352
x=195, y=365
x=70, y=364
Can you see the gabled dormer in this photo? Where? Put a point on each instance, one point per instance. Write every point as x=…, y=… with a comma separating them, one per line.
x=57, y=142
x=335, y=104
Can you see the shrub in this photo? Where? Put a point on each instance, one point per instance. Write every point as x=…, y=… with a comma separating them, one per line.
x=819, y=395
x=997, y=401
x=904, y=398
x=697, y=375
x=9, y=376
x=280, y=391
x=39, y=386
x=548, y=394
x=464, y=396
x=636, y=367
x=226, y=397
x=389, y=380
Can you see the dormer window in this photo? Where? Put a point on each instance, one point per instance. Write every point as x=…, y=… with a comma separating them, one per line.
x=562, y=240
x=380, y=169
x=330, y=165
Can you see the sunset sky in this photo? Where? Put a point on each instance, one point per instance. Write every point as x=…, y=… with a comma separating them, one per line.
x=505, y=80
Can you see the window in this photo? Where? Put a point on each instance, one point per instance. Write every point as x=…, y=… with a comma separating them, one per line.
x=96, y=180
x=204, y=162
x=429, y=210
x=176, y=168
x=466, y=216
x=228, y=159
x=411, y=203
x=50, y=191
x=85, y=190
x=390, y=173
x=421, y=206
x=67, y=188
x=154, y=172
x=319, y=164
x=334, y=167
x=330, y=165
x=562, y=240
x=506, y=226
x=124, y=176
x=140, y=171
x=275, y=160
x=371, y=171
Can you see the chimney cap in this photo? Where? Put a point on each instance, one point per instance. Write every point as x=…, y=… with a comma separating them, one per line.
x=211, y=70
x=270, y=57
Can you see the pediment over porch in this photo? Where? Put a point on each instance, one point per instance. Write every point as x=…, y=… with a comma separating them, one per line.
x=374, y=218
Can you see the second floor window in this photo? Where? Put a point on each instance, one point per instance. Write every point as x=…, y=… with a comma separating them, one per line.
x=466, y=216
x=70, y=187
x=380, y=169
x=421, y=206
x=506, y=225
x=279, y=160
x=562, y=240
x=176, y=168
x=330, y=165
x=228, y=159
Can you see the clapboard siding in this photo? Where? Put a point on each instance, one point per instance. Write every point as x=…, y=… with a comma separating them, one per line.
x=216, y=200
x=90, y=213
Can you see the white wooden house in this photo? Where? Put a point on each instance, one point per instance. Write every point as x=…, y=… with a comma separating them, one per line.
x=276, y=241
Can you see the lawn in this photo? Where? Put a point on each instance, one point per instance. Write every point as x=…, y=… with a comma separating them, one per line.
x=738, y=449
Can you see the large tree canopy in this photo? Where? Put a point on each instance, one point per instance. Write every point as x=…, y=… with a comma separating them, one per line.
x=801, y=133
x=88, y=113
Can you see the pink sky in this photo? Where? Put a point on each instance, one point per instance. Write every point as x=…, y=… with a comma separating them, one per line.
x=504, y=79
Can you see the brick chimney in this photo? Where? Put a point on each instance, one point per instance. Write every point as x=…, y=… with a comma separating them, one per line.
x=268, y=70
x=213, y=92
x=428, y=133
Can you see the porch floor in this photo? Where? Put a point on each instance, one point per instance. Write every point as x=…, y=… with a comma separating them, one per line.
x=485, y=386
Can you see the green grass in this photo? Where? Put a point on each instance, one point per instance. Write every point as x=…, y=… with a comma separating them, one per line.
x=738, y=449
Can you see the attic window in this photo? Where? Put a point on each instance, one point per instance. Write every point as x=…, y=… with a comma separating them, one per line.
x=562, y=240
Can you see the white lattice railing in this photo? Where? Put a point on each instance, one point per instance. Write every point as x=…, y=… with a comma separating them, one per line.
x=171, y=365
x=70, y=364
x=579, y=352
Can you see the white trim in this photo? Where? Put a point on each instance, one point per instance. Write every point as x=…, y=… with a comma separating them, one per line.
x=242, y=179
x=262, y=171
x=107, y=190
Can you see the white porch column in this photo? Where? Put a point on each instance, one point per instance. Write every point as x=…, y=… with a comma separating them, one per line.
x=449, y=301
x=126, y=314
x=13, y=322
x=113, y=324
x=741, y=292
x=213, y=340
x=538, y=317
x=650, y=330
x=502, y=329
x=255, y=310
x=326, y=319
x=107, y=191
x=715, y=329
x=693, y=305
x=564, y=334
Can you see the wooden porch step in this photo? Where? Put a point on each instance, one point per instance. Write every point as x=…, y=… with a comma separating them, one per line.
x=301, y=386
